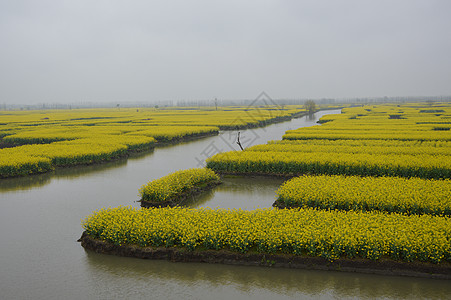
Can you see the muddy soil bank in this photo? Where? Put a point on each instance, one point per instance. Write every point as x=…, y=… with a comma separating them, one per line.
x=382, y=267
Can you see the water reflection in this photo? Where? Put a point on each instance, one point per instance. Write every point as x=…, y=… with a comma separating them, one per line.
x=200, y=200
x=24, y=183
x=311, y=117
x=39, y=180
x=79, y=171
x=149, y=274
x=246, y=193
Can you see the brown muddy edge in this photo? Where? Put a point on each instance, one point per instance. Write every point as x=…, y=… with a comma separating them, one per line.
x=380, y=267
x=182, y=198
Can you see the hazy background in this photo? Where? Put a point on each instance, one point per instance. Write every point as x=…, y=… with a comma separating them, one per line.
x=103, y=51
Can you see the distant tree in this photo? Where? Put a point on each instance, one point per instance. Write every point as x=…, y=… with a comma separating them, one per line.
x=310, y=106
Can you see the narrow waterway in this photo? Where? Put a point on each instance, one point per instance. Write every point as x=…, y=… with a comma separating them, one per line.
x=40, y=220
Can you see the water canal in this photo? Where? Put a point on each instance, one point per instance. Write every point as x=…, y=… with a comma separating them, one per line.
x=40, y=223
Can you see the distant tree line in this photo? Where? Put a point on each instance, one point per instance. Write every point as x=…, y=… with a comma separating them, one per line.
x=215, y=103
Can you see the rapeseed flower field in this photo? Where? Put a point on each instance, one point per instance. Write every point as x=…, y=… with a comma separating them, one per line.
x=374, y=184
x=308, y=231
x=365, y=141
x=175, y=185
x=38, y=141
x=389, y=194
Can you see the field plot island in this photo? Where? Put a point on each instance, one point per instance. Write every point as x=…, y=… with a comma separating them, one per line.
x=370, y=193
x=38, y=141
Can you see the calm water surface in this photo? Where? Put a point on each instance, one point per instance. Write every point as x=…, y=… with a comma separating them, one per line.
x=40, y=222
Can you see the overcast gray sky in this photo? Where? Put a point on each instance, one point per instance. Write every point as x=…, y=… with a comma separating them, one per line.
x=109, y=50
